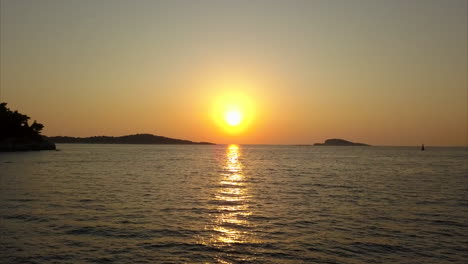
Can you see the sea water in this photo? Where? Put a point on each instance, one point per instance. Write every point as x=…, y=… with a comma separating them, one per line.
x=234, y=204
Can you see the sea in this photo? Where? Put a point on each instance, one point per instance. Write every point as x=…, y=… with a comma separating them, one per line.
x=234, y=204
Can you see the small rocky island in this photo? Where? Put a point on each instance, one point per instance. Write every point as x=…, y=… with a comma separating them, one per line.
x=130, y=139
x=17, y=135
x=339, y=142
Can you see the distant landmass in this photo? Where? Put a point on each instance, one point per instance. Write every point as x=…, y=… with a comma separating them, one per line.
x=129, y=139
x=339, y=142
x=17, y=135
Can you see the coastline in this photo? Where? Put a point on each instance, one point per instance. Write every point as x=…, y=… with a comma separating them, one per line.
x=15, y=144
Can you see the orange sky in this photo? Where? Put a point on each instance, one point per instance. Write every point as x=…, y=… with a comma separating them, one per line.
x=379, y=72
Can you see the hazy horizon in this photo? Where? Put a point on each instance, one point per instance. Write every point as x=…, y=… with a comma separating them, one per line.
x=378, y=72
x=246, y=144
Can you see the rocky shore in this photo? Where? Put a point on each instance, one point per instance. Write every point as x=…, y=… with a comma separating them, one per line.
x=17, y=144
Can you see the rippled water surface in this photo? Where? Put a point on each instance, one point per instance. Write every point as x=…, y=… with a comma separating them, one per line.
x=234, y=204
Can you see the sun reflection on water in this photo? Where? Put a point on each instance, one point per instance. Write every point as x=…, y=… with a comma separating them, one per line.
x=230, y=222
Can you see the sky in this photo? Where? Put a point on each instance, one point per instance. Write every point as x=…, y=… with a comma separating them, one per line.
x=381, y=72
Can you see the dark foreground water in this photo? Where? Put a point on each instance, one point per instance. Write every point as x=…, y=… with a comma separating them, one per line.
x=234, y=204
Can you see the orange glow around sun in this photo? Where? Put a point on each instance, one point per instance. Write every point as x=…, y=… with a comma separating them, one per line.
x=233, y=113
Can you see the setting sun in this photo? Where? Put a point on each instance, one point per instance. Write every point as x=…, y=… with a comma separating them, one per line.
x=233, y=118
x=233, y=112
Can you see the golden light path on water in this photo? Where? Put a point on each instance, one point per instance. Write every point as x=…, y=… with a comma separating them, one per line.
x=230, y=224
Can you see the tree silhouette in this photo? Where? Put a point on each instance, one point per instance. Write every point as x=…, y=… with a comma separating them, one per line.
x=15, y=125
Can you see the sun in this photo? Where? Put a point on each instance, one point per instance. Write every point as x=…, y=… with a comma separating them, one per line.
x=233, y=117
x=233, y=113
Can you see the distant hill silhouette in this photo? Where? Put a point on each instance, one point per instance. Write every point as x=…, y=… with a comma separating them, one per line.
x=339, y=142
x=16, y=134
x=130, y=139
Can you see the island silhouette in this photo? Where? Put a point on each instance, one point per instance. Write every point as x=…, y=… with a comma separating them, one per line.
x=128, y=139
x=17, y=135
x=339, y=142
